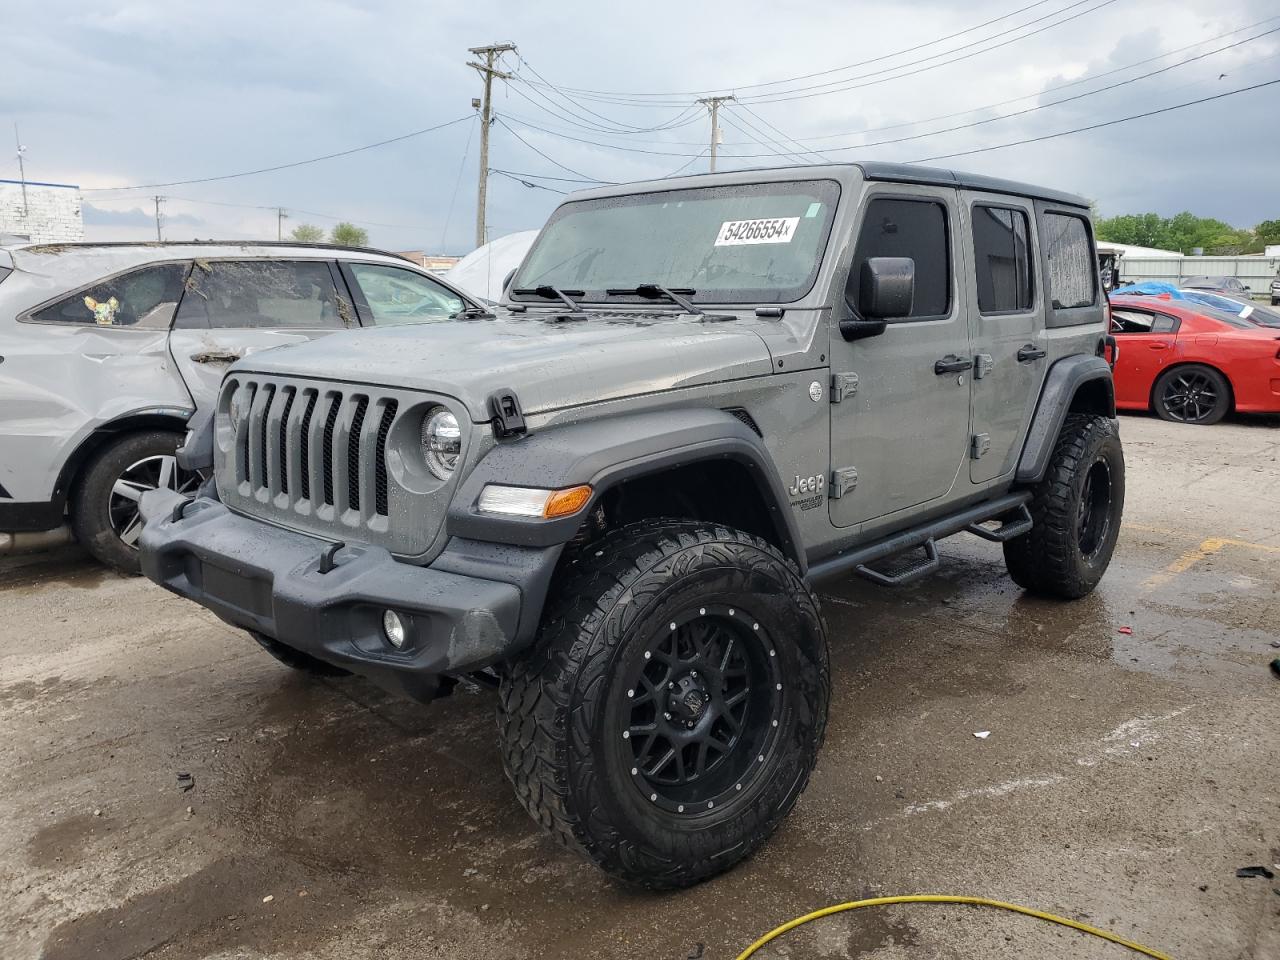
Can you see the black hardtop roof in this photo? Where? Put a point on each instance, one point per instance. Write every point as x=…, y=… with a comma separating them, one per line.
x=867, y=170
x=911, y=173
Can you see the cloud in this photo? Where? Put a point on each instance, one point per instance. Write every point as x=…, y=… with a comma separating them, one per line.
x=135, y=217
x=151, y=90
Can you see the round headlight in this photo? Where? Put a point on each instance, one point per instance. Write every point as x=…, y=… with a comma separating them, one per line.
x=441, y=442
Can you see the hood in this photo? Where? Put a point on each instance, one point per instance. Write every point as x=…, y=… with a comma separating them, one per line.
x=550, y=365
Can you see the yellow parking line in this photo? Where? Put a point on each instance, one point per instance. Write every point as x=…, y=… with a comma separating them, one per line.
x=1185, y=562
x=1221, y=541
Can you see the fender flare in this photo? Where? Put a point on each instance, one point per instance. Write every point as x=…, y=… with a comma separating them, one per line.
x=610, y=451
x=1064, y=381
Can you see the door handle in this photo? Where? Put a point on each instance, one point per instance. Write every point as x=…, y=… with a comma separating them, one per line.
x=1030, y=352
x=1159, y=345
x=952, y=364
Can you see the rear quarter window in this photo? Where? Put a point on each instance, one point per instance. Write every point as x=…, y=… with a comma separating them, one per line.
x=1070, y=261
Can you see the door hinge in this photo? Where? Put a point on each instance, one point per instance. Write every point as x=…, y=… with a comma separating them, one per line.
x=980, y=444
x=842, y=481
x=982, y=365
x=843, y=385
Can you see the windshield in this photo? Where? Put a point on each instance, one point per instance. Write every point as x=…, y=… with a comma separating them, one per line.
x=751, y=243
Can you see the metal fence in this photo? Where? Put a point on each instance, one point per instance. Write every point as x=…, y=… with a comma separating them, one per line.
x=1256, y=273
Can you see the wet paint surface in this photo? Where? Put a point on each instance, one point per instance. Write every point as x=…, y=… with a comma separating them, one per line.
x=1123, y=772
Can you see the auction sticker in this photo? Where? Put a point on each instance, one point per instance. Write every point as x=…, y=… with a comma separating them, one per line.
x=775, y=230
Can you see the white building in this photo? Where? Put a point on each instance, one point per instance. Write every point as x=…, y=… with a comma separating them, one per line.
x=41, y=212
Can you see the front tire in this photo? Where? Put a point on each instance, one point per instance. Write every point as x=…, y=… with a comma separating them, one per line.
x=671, y=711
x=1076, y=511
x=104, y=504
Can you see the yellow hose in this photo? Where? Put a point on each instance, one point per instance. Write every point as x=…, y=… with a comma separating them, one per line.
x=937, y=898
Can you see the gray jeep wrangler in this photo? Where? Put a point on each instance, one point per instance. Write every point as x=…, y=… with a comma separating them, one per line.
x=699, y=397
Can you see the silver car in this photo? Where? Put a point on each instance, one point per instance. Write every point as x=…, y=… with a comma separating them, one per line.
x=107, y=349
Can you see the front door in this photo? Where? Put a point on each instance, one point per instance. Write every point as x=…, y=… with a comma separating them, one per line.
x=1148, y=344
x=235, y=307
x=1006, y=312
x=905, y=428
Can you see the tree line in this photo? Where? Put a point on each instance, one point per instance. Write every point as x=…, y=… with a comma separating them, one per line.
x=1185, y=231
x=347, y=234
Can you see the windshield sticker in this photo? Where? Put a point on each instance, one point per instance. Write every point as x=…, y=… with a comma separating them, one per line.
x=773, y=230
x=104, y=313
x=813, y=210
x=1244, y=314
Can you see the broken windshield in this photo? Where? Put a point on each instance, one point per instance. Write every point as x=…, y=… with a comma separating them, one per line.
x=752, y=243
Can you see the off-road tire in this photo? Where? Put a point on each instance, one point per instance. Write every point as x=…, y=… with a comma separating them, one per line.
x=296, y=659
x=1204, y=375
x=90, y=498
x=557, y=701
x=1051, y=559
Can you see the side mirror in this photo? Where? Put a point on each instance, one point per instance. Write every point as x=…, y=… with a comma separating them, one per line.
x=506, y=281
x=883, y=289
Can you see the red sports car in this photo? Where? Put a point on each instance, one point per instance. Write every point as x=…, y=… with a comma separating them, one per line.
x=1192, y=363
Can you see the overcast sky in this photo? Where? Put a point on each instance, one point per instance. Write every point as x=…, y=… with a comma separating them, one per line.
x=146, y=91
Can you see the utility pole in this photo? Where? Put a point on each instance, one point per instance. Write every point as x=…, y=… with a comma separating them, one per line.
x=488, y=70
x=713, y=105
x=281, y=217
x=158, y=200
x=22, y=170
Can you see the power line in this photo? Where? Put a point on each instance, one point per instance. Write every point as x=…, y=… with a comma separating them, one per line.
x=820, y=73
x=281, y=166
x=1039, y=93
x=466, y=152
x=964, y=126
x=1097, y=126
x=839, y=86
x=554, y=162
x=785, y=137
x=632, y=128
x=526, y=183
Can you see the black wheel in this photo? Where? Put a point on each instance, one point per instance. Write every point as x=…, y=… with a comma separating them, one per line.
x=1076, y=511
x=671, y=711
x=104, y=503
x=296, y=659
x=1192, y=394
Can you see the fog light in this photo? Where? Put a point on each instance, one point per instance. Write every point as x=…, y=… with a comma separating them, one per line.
x=393, y=627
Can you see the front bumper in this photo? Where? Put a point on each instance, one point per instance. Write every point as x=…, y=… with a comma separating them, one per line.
x=475, y=605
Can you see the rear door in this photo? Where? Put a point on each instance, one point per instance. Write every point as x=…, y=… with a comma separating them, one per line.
x=235, y=307
x=1148, y=345
x=1006, y=311
x=904, y=430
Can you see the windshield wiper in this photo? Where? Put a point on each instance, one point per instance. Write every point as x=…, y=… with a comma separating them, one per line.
x=652, y=291
x=548, y=292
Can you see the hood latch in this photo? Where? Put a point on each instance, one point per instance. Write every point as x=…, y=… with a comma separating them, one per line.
x=504, y=409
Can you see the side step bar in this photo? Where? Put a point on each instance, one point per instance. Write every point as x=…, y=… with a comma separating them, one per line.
x=1009, y=528
x=904, y=575
x=964, y=520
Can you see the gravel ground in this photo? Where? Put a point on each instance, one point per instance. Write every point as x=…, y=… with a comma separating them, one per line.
x=1126, y=777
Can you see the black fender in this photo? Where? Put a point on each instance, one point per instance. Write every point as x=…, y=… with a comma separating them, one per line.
x=1069, y=380
x=610, y=451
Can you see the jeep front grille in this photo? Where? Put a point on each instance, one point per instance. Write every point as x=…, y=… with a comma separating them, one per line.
x=313, y=449
x=328, y=459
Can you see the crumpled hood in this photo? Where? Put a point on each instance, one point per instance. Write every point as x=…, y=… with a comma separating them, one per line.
x=548, y=364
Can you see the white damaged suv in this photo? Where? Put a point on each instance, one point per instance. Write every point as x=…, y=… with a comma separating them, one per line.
x=107, y=349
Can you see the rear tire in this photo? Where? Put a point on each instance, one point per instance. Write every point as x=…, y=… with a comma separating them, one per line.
x=1191, y=394
x=1076, y=511
x=104, y=504
x=663, y=637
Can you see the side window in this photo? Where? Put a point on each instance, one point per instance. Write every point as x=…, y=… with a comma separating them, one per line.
x=915, y=229
x=1165, y=324
x=144, y=299
x=1002, y=257
x=397, y=296
x=262, y=293
x=1132, y=321
x=1070, y=258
